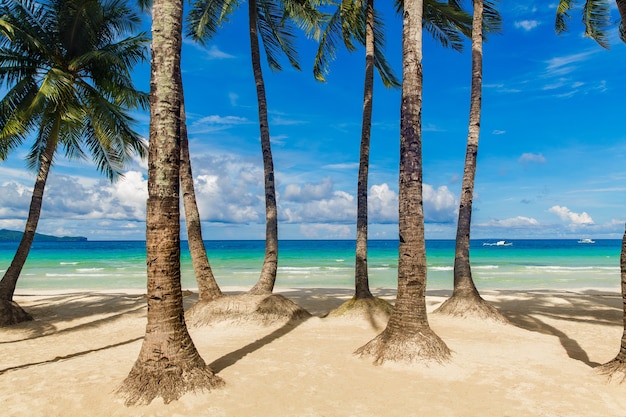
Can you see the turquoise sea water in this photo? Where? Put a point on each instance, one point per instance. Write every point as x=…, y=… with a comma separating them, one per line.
x=526, y=264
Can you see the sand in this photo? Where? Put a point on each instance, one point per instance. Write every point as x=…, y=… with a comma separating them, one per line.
x=69, y=361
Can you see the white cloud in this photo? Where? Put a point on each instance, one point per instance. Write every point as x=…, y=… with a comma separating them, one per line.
x=309, y=192
x=528, y=157
x=527, y=25
x=215, y=53
x=382, y=204
x=498, y=132
x=565, y=64
x=440, y=205
x=216, y=122
x=566, y=214
x=511, y=223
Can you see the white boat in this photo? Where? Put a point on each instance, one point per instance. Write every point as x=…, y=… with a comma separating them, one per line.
x=498, y=243
x=586, y=241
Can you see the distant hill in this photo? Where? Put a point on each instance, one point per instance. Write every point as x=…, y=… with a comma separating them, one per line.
x=14, y=236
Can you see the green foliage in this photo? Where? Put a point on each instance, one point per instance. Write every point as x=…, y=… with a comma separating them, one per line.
x=67, y=70
x=596, y=17
x=346, y=25
x=276, y=24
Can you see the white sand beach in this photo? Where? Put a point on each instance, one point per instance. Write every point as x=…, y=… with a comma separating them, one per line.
x=69, y=361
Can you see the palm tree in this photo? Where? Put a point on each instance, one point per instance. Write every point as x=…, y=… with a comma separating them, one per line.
x=357, y=19
x=465, y=300
x=208, y=288
x=408, y=336
x=596, y=16
x=67, y=72
x=444, y=22
x=272, y=21
x=168, y=364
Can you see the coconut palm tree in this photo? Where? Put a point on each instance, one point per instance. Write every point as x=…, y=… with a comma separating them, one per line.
x=168, y=364
x=66, y=67
x=408, y=336
x=271, y=22
x=465, y=300
x=208, y=289
x=356, y=19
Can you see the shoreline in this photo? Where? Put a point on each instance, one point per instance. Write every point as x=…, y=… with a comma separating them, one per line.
x=82, y=344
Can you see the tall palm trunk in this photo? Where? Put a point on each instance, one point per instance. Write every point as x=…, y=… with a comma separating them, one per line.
x=207, y=286
x=360, y=271
x=408, y=336
x=168, y=364
x=265, y=284
x=466, y=300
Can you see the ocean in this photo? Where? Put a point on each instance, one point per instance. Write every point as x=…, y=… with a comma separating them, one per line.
x=522, y=264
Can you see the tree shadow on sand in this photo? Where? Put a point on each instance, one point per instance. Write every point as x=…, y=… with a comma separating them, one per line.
x=51, y=315
x=590, y=307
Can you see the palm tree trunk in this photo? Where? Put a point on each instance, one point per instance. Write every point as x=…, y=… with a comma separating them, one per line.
x=207, y=285
x=168, y=364
x=463, y=283
x=11, y=312
x=465, y=300
x=360, y=270
x=408, y=336
x=9, y=280
x=621, y=7
x=265, y=284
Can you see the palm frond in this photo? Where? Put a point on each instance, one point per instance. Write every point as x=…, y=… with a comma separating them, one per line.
x=207, y=16
x=596, y=18
x=562, y=14
x=276, y=34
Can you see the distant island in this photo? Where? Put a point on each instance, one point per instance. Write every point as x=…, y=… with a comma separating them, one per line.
x=15, y=236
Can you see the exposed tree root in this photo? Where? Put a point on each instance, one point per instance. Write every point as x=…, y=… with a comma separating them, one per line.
x=372, y=309
x=11, y=313
x=423, y=346
x=266, y=309
x=615, y=370
x=150, y=380
x=470, y=307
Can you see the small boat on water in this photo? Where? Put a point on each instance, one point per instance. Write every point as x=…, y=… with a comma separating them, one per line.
x=586, y=241
x=498, y=243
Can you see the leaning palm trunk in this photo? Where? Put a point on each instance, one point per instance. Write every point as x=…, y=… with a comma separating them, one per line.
x=12, y=313
x=168, y=364
x=408, y=336
x=465, y=300
x=266, y=282
x=207, y=286
x=617, y=367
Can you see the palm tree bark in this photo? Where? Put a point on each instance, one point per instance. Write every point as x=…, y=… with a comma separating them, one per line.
x=361, y=278
x=617, y=367
x=168, y=364
x=9, y=280
x=408, y=336
x=207, y=285
x=265, y=284
x=12, y=313
x=621, y=7
x=465, y=300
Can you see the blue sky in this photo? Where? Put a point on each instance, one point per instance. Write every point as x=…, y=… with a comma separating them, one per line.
x=550, y=162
